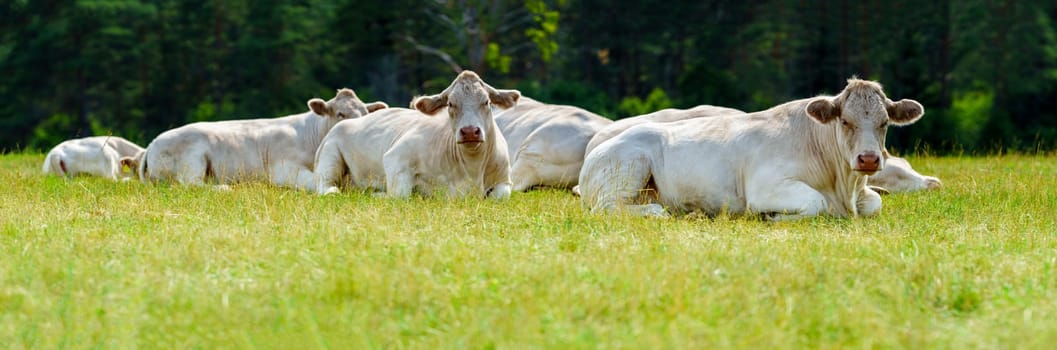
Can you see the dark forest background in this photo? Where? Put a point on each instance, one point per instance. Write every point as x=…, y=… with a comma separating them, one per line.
x=986, y=71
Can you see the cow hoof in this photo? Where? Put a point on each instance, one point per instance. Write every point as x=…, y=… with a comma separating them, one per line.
x=501, y=191
x=933, y=184
x=222, y=188
x=880, y=190
x=651, y=210
x=329, y=191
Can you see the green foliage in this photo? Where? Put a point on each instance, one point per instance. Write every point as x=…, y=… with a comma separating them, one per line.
x=52, y=130
x=543, y=36
x=570, y=93
x=207, y=111
x=971, y=112
x=497, y=60
x=656, y=100
x=144, y=67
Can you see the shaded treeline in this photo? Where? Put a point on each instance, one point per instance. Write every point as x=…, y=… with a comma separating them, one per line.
x=986, y=71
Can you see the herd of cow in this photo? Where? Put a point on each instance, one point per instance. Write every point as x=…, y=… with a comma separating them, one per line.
x=820, y=155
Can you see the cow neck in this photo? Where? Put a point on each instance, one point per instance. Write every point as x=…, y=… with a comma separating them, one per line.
x=829, y=167
x=315, y=127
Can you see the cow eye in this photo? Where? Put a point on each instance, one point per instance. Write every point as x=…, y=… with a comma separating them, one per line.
x=884, y=125
x=450, y=105
x=341, y=115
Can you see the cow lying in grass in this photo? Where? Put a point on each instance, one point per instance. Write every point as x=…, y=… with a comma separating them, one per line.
x=546, y=142
x=103, y=156
x=896, y=177
x=277, y=150
x=457, y=153
x=799, y=159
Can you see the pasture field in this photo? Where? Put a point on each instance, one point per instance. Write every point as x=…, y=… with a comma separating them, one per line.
x=89, y=263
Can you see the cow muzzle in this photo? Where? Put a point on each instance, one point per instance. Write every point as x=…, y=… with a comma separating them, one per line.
x=470, y=134
x=868, y=162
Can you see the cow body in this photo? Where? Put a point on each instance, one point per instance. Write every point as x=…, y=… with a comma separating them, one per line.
x=102, y=156
x=546, y=142
x=799, y=159
x=661, y=116
x=277, y=150
x=459, y=153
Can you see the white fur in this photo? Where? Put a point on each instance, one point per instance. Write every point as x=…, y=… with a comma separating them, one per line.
x=278, y=150
x=547, y=142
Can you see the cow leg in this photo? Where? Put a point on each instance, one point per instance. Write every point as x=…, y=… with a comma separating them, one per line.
x=399, y=178
x=290, y=174
x=648, y=210
x=399, y=183
x=790, y=200
x=114, y=161
x=523, y=175
x=330, y=166
x=618, y=184
x=869, y=202
x=500, y=191
x=532, y=168
x=191, y=171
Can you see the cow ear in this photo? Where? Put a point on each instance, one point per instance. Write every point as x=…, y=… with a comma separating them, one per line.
x=905, y=112
x=504, y=98
x=318, y=106
x=129, y=162
x=374, y=106
x=823, y=110
x=430, y=104
x=880, y=190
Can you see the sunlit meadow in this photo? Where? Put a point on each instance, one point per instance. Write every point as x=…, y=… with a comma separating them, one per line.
x=89, y=263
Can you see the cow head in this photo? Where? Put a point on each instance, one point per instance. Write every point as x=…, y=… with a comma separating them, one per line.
x=132, y=162
x=344, y=105
x=861, y=114
x=469, y=101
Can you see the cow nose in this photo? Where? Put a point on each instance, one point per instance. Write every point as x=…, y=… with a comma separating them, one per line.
x=470, y=133
x=869, y=161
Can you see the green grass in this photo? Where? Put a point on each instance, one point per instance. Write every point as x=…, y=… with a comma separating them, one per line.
x=89, y=263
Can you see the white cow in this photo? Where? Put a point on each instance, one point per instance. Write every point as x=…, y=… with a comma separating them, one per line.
x=103, y=156
x=546, y=142
x=795, y=160
x=276, y=150
x=897, y=176
x=402, y=150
